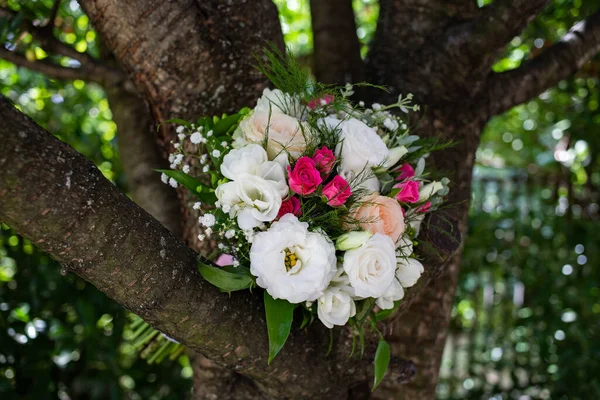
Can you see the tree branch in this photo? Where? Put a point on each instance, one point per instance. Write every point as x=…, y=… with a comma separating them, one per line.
x=336, y=47
x=561, y=60
x=53, y=14
x=93, y=73
x=479, y=40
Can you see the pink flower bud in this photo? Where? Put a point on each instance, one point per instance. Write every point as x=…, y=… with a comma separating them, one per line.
x=322, y=101
x=406, y=171
x=409, y=192
x=337, y=191
x=324, y=160
x=290, y=206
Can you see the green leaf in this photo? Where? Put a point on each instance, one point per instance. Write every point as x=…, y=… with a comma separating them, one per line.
x=363, y=310
x=225, y=280
x=224, y=125
x=382, y=360
x=279, y=323
x=202, y=191
x=383, y=314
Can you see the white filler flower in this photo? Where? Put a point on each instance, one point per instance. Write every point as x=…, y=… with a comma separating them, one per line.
x=371, y=267
x=335, y=307
x=292, y=263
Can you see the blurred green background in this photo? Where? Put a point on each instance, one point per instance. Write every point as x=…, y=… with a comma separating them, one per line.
x=526, y=320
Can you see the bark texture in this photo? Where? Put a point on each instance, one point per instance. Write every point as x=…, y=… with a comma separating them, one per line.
x=140, y=155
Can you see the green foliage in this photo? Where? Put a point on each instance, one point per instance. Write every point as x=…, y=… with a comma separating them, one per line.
x=60, y=336
x=381, y=362
x=279, y=314
x=199, y=189
x=227, y=279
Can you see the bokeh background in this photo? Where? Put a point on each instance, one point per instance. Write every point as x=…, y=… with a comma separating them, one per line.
x=526, y=319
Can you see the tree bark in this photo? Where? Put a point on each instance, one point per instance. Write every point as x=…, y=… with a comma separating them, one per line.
x=140, y=156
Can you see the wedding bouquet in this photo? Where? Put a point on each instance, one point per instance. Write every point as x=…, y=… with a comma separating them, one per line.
x=310, y=197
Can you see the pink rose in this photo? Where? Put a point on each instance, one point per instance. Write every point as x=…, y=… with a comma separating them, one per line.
x=305, y=177
x=406, y=171
x=323, y=101
x=337, y=191
x=324, y=160
x=409, y=192
x=424, y=208
x=290, y=206
x=380, y=214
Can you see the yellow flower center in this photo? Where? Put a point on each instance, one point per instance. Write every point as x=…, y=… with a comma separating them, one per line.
x=290, y=260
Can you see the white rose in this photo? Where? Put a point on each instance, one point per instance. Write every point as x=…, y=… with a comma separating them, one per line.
x=292, y=263
x=408, y=272
x=279, y=103
x=371, y=267
x=245, y=160
x=429, y=190
x=361, y=180
x=335, y=307
x=251, y=198
x=394, y=293
x=360, y=146
x=285, y=133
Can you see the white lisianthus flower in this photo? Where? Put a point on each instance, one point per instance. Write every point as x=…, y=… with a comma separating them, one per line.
x=283, y=133
x=360, y=146
x=429, y=190
x=292, y=263
x=394, y=293
x=275, y=172
x=371, y=267
x=408, y=272
x=245, y=160
x=335, y=307
x=251, y=198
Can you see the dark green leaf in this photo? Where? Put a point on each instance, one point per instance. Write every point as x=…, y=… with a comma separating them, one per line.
x=225, y=280
x=223, y=126
x=382, y=359
x=383, y=314
x=199, y=189
x=364, y=308
x=280, y=314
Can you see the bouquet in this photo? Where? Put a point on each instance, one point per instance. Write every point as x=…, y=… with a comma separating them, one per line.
x=312, y=198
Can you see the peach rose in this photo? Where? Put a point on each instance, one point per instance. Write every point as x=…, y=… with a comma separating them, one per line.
x=380, y=214
x=284, y=132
